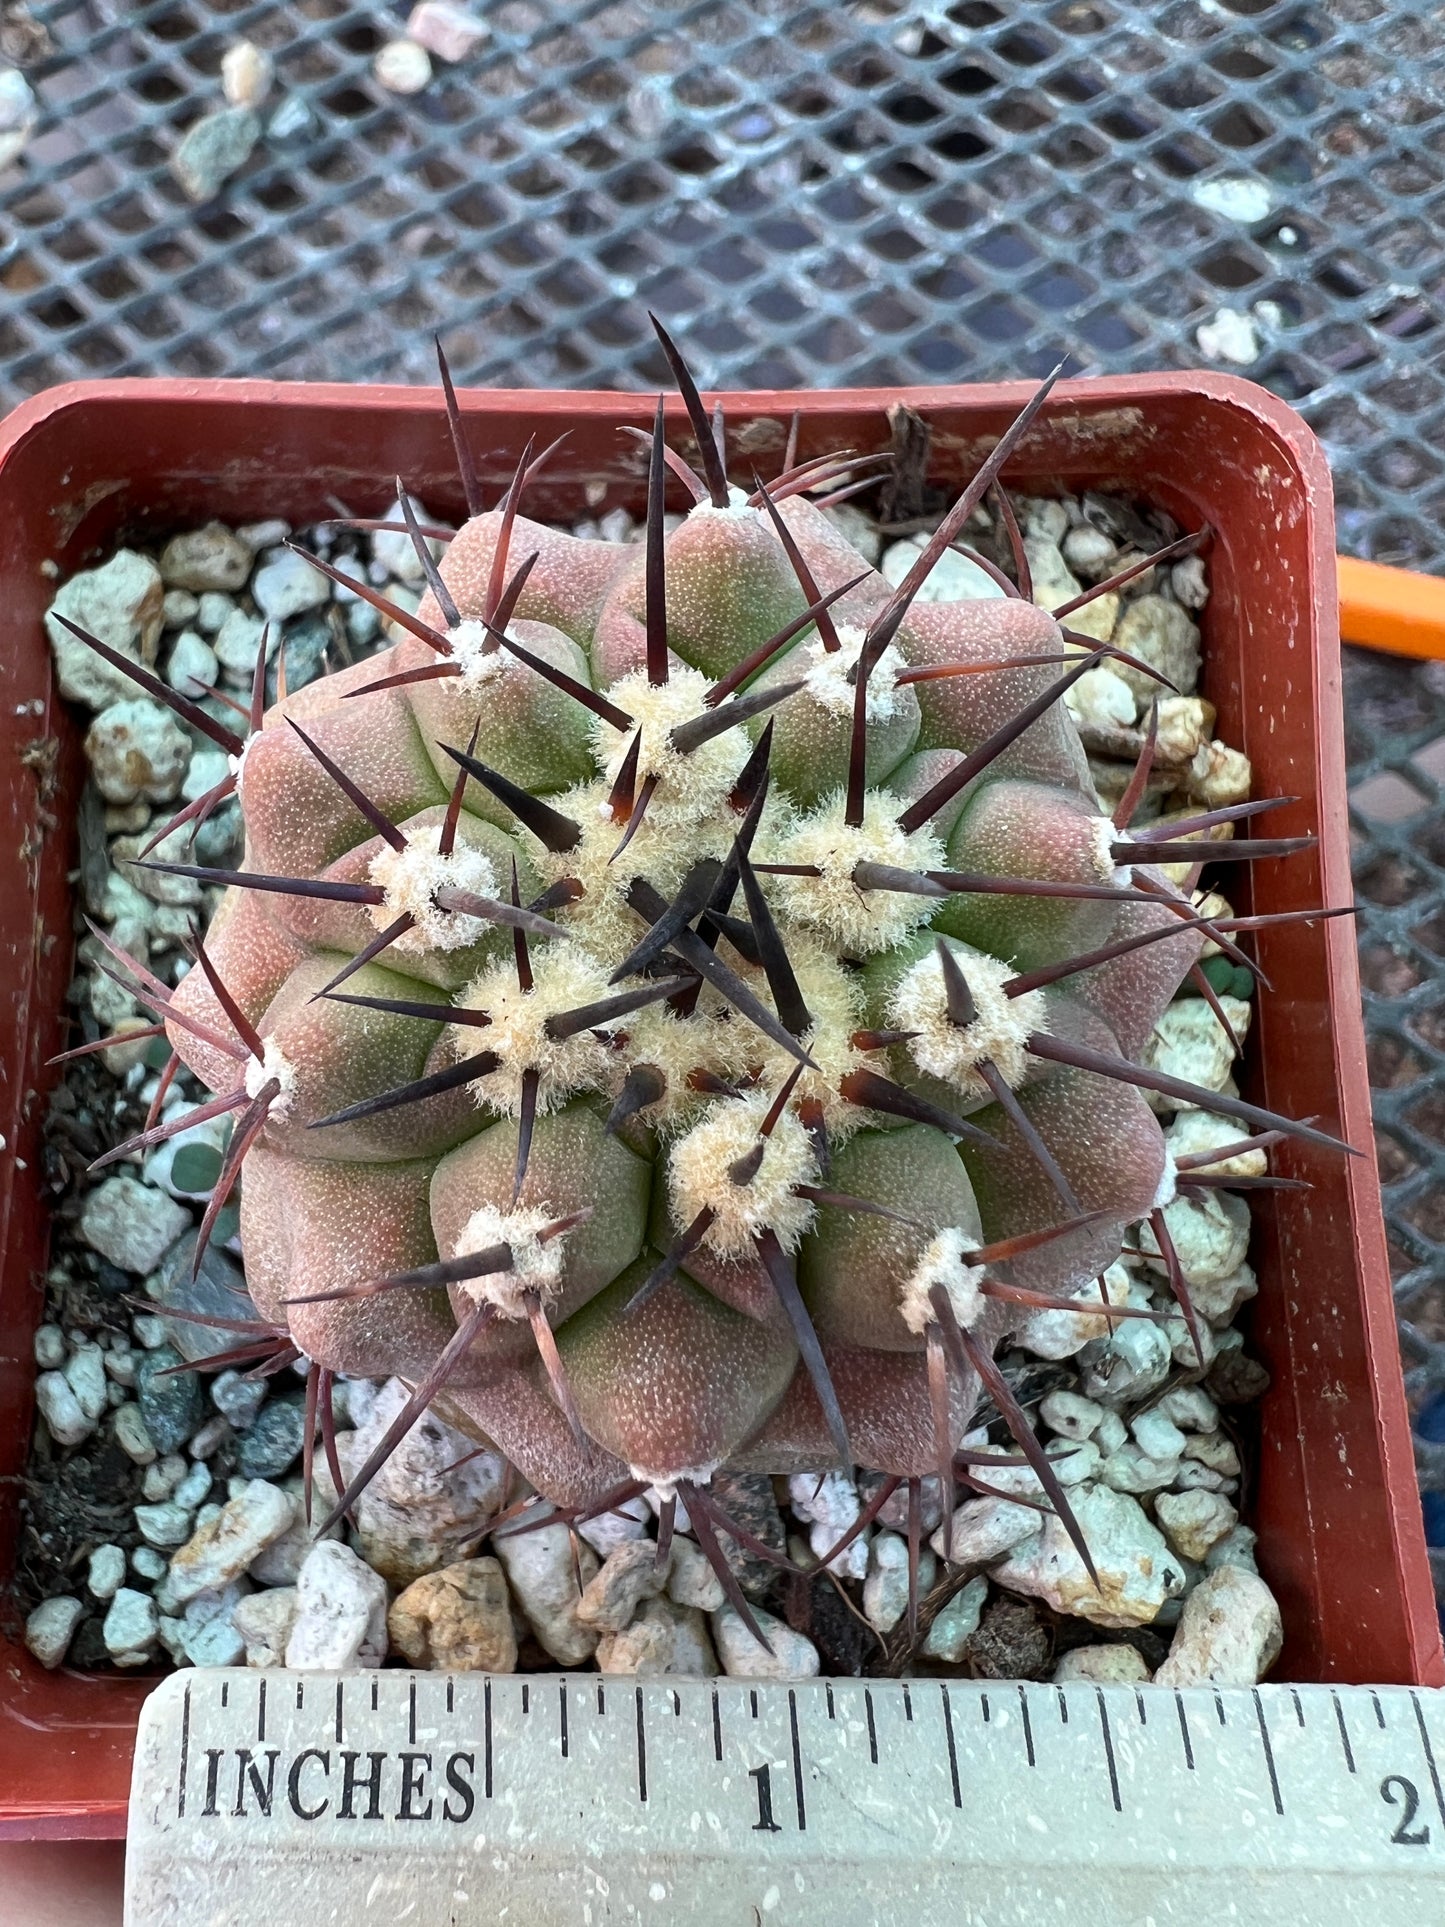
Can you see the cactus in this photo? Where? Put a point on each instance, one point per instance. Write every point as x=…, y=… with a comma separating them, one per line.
x=682, y=1006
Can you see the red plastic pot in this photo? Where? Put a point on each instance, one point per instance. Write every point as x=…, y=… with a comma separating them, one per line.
x=1337, y=1507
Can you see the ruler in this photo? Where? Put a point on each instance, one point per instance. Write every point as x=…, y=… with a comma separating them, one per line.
x=293, y=1800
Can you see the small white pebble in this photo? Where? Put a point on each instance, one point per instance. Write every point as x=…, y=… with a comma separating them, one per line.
x=1157, y=1435
x=956, y=1624
x=163, y=1525
x=61, y=1409
x=120, y=1366
x=1194, y=1522
x=1113, y=1665
x=194, y=1487
x=85, y=1375
x=1236, y=1548
x=450, y=32
x=130, y=1627
x=1070, y=1415
x=132, y=1436
x=106, y=1571
x=49, y=1347
x=163, y=1477
x=49, y=1629
x=246, y=74
x=1230, y=1633
x=793, y=1655
x=402, y=67
x=1191, y=1408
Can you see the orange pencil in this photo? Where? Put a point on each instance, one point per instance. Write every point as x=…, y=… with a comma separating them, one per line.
x=1392, y=609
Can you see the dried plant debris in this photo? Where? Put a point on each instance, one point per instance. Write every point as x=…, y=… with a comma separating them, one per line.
x=595, y=1049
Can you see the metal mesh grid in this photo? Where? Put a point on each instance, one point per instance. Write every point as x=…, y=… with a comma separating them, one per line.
x=823, y=194
x=828, y=194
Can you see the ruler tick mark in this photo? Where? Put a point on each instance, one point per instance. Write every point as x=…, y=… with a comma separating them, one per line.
x=828, y=1692
x=753, y=1701
x=601, y=1697
x=676, y=1705
x=450, y=1694
x=1344, y=1735
x=487, y=1736
x=716, y=1726
x=983, y=1701
x=338, y=1712
x=300, y=1696
x=1379, y=1711
x=1139, y=1703
x=1109, y=1751
x=1299, y=1711
x=1028, y=1725
x=1268, y=1749
x=411, y=1714
x=1219, y=1708
x=562, y=1703
x=641, y=1750
x=1429, y=1754
x=374, y=1690
x=261, y=1711
x=872, y=1729
x=225, y=1692
x=1063, y=1707
x=907, y=1703
x=526, y=1697
x=1184, y=1734
x=952, y=1749
x=185, y=1755
x=797, y=1761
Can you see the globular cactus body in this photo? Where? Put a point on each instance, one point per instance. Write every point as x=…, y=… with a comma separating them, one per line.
x=656, y=996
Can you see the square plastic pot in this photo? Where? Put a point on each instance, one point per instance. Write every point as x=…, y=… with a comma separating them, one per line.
x=84, y=466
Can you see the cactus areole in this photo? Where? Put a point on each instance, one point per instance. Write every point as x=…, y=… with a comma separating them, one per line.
x=682, y=1006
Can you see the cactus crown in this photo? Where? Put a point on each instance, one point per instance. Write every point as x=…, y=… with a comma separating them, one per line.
x=681, y=1007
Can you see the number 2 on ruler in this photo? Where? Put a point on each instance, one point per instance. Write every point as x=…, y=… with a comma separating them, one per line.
x=1399, y=1791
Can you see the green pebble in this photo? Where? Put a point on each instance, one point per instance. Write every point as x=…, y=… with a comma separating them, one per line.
x=173, y=1408
x=1241, y=982
x=273, y=1444
x=196, y=1167
x=1220, y=972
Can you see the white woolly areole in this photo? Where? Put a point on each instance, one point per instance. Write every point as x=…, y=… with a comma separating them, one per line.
x=677, y=1046
x=535, y=1266
x=697, y=1176
x=665, y=1484
x=736, y=510
x=564, y=977
x=953, y=1051
x=859, y=922
x=411, y=879
x=477, y=653
x=663, y=853
x=826, y=674
x=1168, y=1183
x=689, y=786
x=275, y=1064
x=942, y=1264
x=1105, y=837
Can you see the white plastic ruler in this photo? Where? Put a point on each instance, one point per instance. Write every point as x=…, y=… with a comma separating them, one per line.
x=291, y=1800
